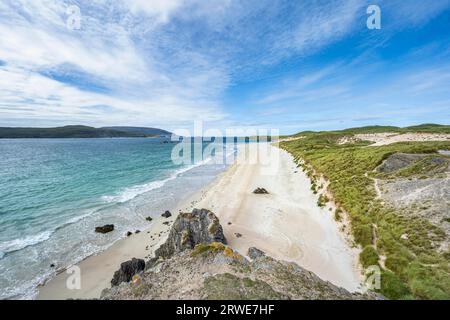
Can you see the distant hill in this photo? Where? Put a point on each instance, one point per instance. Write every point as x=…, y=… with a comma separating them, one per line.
x=80, y=132
x=425, y=128
x=141, y=130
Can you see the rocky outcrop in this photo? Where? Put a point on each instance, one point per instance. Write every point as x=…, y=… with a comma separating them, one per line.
x=195, y=263
x=105, y=229
x=127, y=270
x=260, y=191
x=254, y=253
x=398, y=161
x=190, y=229
x=216, y=271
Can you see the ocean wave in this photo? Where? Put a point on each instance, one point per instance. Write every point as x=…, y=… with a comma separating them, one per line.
x=132, y=192
x=22, y=243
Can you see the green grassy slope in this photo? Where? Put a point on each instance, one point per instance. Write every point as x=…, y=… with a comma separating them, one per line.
x=413, y=267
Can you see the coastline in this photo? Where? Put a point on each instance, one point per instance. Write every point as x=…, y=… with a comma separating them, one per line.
x=97, y=270
x=287, y=224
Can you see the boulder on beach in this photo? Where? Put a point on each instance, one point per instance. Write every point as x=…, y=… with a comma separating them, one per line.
x=127, y=270
x=166, y=214
x=190, y=229
x=105, y=229
x=260, y=191
x=149, y=219
x=129, y=233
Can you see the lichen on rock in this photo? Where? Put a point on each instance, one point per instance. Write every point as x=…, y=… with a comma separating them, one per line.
x=190, y=229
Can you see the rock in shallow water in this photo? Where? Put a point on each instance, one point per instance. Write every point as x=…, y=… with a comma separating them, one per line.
x=105, y=229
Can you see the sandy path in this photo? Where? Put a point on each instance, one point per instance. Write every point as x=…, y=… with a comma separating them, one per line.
x=286, y=224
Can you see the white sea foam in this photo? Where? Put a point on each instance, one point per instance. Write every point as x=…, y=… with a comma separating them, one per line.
x=21, y=243
x=27, y=290
x=132, y=192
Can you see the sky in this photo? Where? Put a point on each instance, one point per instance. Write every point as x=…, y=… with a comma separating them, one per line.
x=273, y=64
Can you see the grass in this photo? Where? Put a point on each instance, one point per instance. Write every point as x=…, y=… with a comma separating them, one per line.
x=349, y=169
x=322, y=201
x=422, y=168
x=338, y=214
x=369, y=257
x=423, y=128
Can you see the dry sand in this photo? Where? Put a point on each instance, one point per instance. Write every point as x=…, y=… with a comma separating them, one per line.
x=287, y=224
x=382, y=139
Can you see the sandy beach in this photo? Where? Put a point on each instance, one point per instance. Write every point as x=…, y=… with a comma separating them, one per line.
x=286, y=223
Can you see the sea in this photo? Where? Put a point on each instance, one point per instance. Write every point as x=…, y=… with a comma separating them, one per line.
x=54, y=192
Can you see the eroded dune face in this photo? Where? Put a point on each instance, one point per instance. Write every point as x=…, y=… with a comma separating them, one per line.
x=419, y=185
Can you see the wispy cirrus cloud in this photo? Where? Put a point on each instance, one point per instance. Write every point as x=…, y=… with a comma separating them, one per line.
x=168, y=62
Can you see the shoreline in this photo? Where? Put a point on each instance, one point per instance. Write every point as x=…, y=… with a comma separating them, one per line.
x=98, y=269
x=289, y=227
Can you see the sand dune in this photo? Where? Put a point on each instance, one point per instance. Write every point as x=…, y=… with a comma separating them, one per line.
x=382, y=139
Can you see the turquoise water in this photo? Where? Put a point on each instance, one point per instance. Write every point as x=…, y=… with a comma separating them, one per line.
x=54, y=192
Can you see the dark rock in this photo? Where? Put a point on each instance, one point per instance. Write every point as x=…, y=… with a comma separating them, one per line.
x=149, y=219
x=229, y=223
x=398, y=161
x=105, y=229
x=238, y=235
x=190, y=229
x=166, y=223
x=52, y=265
x=127, y=270
x=255, y=253
x=137, y=231
x=260, y=191
x=129, y=233
x=166, y=214
x=151, y=263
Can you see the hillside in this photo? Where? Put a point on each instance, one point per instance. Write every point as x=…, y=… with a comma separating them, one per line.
x=393, y=185
x=196, y=263
x=141, y=131
x=78, y=132
x=423, y=128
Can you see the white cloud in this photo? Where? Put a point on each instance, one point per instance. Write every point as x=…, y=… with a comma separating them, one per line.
x=167, y=61
x=142, y=90
x=161, y=9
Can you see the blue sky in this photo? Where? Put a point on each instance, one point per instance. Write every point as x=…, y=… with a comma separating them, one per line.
x=287, y=65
